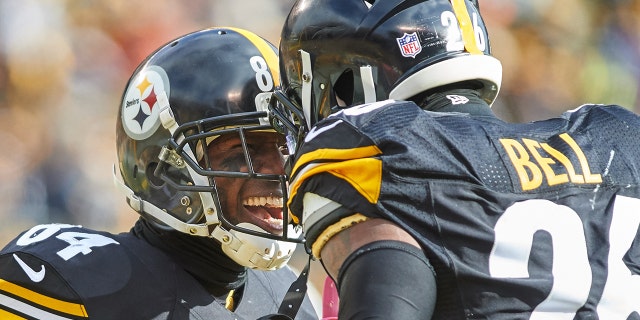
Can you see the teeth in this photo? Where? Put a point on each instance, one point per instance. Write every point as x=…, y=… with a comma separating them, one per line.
x=275, y=202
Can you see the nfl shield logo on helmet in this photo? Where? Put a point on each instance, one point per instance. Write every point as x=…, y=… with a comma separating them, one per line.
x=409, y=45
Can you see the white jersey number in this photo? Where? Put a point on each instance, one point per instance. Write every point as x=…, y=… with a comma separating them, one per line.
x=79, y=242
x=571, y=271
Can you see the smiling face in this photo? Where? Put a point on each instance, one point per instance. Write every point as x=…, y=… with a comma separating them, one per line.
x=255, y=201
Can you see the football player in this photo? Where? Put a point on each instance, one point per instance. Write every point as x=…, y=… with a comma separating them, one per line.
x=198, y=160
x=420, y=202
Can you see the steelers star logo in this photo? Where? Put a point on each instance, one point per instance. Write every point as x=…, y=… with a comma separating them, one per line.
x=140, y=109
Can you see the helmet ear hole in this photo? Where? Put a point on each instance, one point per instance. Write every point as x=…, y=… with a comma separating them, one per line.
x=343, y=88
x=155, y=181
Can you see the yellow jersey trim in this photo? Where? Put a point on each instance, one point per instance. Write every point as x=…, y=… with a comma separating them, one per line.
x=335, y=154
x=364, y=175
x=43, y=300
x=5, y=315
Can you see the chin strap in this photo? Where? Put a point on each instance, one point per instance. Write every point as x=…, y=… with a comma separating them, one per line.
x=254, y=251
x=293, y=298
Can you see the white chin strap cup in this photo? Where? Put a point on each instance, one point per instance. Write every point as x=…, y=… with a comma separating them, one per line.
x=253, y=251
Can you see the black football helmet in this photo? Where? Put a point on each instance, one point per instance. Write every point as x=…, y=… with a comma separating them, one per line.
x=345, y=52
x=195, y=88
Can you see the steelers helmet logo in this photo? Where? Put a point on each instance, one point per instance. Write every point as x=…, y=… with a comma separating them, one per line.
x=140, y=108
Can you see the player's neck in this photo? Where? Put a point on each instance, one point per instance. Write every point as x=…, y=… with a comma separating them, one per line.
x=201, y=257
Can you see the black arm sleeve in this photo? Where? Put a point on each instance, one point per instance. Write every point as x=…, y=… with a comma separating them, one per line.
x=387, y=280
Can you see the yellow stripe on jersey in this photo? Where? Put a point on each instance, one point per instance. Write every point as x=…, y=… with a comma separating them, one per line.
x=33, y=312
x=5, y=315
x=265, y=49
x=468, y=34
x=335, y=154
x=70, y=308
x=364, y=174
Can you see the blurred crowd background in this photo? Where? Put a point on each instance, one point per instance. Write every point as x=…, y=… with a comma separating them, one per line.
x=64, y=65
x=63, y=68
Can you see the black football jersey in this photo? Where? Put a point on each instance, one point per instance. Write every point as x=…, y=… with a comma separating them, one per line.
x=520, y=221
x=59, y=271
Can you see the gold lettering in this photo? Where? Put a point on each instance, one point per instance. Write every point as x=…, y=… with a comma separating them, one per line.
x=520, y=159
x=533, y=165
x=586, y=171
x=545, y=163
x=573, y=176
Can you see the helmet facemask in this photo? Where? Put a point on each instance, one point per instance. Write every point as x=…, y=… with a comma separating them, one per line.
x=190, y=143
x=187, y=170
x=313, y=94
